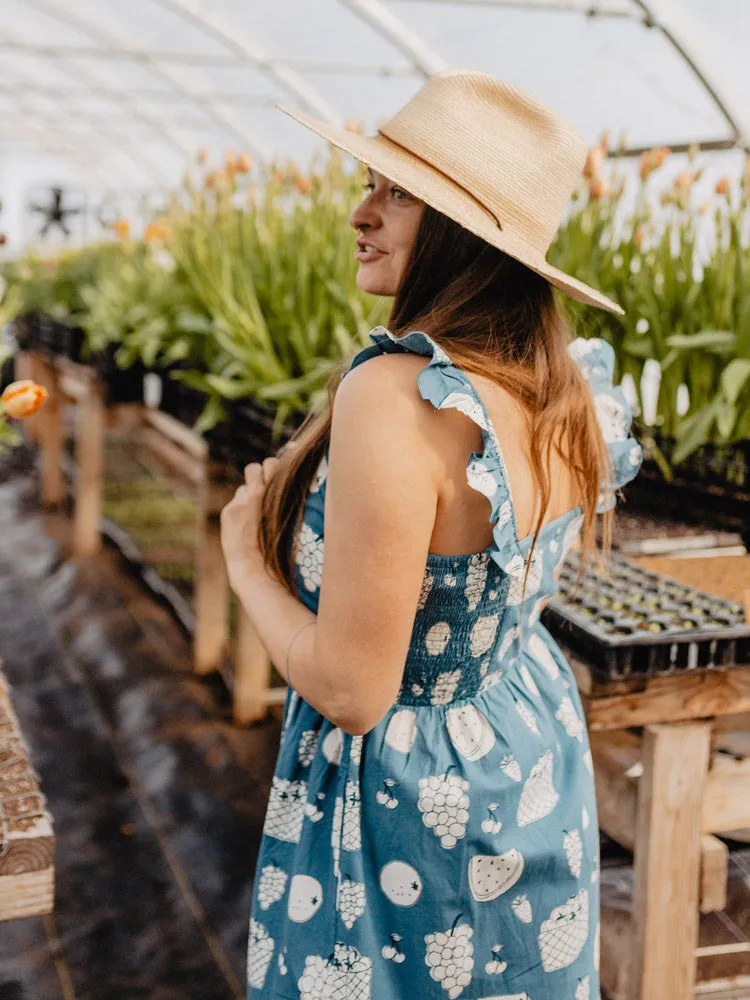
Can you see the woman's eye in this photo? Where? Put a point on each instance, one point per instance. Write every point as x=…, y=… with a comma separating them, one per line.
x=398, y=193
x=369, y=186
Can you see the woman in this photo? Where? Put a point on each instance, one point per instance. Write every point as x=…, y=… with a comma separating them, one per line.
x=432, y=825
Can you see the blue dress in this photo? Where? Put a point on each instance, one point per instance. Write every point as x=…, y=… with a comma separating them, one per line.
x=453, y=850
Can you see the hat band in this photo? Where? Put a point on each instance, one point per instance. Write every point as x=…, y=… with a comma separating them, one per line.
x=451, y=179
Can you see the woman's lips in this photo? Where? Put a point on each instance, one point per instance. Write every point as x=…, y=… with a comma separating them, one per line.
x=366, y=253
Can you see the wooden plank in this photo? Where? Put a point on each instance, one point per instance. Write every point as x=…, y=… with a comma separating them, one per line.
x=614, y=755
x=688, y=696
x=176, y=459
x=27, y=895
x=181, y=435
x=726, y=800
x=714, y=868
x=252, y=673
x=50, y=428
x=89, y=459
x=667, y=861
x=211, y=586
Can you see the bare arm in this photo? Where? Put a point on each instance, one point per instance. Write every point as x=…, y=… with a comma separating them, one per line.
x=381, y=498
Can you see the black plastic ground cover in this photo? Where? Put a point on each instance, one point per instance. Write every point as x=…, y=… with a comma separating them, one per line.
x=157, y=799
x=639, y=623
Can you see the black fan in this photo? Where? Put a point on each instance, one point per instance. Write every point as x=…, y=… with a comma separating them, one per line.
x=56, y=212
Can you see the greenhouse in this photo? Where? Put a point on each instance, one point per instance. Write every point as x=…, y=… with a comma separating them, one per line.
x=496, y=746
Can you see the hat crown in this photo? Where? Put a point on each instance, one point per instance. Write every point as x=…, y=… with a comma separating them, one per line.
x=518, y=158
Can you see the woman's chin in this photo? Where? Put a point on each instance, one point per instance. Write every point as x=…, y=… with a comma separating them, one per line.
x=373, y=283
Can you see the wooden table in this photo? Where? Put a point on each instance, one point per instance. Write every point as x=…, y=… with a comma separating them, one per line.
x=27, y=872
x=665, y=795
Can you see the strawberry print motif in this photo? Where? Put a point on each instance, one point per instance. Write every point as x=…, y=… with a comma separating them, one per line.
x=472, y=797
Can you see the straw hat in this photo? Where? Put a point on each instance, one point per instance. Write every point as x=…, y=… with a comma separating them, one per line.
x=500, y=163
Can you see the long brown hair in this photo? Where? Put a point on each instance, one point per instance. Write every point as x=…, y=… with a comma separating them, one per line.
x=494, y=317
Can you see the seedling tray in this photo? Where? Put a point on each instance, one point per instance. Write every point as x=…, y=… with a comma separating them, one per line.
x=640, y=623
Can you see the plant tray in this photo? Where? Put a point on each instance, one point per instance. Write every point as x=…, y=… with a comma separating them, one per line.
x=38, y=332
x=640, y=623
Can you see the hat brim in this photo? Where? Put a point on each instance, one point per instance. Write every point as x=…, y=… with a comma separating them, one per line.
x=435, y=188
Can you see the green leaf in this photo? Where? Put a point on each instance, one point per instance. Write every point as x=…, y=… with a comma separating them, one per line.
x=734, y=378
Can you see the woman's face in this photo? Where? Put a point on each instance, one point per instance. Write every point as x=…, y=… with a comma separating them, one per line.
x=388, y=220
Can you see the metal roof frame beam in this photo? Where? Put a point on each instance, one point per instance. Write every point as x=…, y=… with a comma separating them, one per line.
x=400, y=35
x=236, y=126
x=253, y=54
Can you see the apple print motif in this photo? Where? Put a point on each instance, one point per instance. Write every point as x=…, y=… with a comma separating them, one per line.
x=402, y=730
x=305, y=898
x=470, y=732
x=401, y=883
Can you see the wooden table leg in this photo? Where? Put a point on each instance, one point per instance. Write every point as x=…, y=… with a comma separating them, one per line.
x=252, y=673
x=50, y=428
x=211, y=587
x=667, y=861
x=89, y=458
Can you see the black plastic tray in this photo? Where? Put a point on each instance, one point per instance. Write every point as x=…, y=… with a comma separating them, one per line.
x=640, y=623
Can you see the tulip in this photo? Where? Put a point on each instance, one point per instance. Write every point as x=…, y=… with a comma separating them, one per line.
x=122, y=228
x=22, y=399
x=599, y=188
x=722, y=186
x=243, y=164
x=594, y=161
x=202, y=155
x=303, y=185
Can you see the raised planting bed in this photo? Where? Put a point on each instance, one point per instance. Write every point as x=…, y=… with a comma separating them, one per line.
x=712, y=484
x=639, y=623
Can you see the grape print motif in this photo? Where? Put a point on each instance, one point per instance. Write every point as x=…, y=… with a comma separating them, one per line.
x=450, y=957
x=286, y=810
x=271, y=886
x=483, y=634
x=344, y=975
x=476, y=581
x=564, y=932
x=573, y=847
x=427, y=581
x=567, y=714
x=444, y=805
x=259, y=951
x=351, y=901
x=309, y=557
x=538, y=797
x=308, y=745
x=528, y=716
x=445, y=687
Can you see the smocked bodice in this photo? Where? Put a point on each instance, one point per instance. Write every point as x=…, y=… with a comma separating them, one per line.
x=473, y=616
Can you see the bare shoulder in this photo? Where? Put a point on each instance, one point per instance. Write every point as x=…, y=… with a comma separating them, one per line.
x=379, y=402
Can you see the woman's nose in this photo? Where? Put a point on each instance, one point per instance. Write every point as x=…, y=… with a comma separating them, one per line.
x=364, y=215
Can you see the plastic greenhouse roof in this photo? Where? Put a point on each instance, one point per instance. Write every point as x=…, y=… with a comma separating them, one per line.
x=122, y=94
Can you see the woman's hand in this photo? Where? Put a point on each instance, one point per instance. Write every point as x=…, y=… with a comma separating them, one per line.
x=239, y=523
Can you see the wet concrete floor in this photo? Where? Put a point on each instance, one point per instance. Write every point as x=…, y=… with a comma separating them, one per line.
x=157, y=799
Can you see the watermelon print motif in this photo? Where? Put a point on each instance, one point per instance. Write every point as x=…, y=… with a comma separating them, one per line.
x=478, y=778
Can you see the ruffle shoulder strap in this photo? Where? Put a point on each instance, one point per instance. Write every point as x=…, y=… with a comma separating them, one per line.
x=445, y=385
x=596, y=359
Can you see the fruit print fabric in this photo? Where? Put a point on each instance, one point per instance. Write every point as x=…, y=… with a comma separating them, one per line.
x=452, y=851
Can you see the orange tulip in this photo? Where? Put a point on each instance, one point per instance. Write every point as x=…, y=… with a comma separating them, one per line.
x=722, y=186
x=599, y=188
x=594, y=161
x=22, y=399
x=243, y=164
x=122, y=228
x=303, y=185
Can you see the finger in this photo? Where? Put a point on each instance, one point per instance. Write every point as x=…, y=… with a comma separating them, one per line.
x=268, y=465
x=252, y=473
